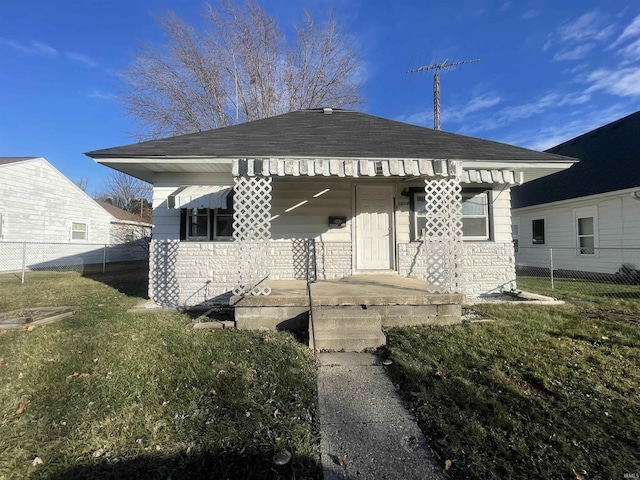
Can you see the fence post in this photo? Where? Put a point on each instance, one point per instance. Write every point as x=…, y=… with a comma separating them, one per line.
x=551, y=265
x=104, y=258
x=24, y=258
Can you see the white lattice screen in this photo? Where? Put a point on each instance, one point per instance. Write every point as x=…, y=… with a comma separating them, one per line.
x=443, y=234
x=252, y=231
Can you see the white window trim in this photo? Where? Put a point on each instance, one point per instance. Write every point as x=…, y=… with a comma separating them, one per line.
x=485, y=215
x=86, y=231
x=546, y=240
x=418, y=235
x=199, y=238
x=586, y=212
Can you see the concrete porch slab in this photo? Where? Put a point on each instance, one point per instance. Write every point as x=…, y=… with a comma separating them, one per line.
x=353, y=290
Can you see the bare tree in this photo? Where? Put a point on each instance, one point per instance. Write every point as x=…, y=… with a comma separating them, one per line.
x=82, y=183
x=126, y=192
x=240, y=68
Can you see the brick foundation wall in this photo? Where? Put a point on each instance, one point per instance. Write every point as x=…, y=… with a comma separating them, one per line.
x=487, y=267
x=190, y=273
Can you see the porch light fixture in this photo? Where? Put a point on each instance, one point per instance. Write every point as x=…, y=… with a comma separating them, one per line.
x=337, y=222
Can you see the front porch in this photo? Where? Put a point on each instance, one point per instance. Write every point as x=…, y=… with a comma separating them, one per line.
x=348, y=313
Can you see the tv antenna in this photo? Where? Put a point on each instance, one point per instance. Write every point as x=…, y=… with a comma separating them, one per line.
x=446, y=66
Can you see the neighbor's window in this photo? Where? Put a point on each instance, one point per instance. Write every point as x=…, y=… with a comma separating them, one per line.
x=78, y=231
x=586, y=230
x=475, y=215
x=586, y=236
x=537, y=229
x=198, y=227
x=515, y=233
x=1, y=225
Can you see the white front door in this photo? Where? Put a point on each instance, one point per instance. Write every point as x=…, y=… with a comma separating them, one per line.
x=374, y=206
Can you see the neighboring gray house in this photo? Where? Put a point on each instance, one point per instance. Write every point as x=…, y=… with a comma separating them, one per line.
x=60, y=223
x=232, y=205
x=590, y=214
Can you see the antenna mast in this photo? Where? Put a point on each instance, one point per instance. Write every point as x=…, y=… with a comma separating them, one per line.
x=446, y=66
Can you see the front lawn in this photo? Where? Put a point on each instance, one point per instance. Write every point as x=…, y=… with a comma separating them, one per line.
x=542, y=392
x=617, y=297
x=111, y=394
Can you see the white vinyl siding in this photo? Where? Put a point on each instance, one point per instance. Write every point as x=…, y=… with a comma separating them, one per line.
x=43, y=203
x=616, y=234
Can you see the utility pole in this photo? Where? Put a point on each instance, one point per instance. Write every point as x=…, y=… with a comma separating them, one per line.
x=446, y=66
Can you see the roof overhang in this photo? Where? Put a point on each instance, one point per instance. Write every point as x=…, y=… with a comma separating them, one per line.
x=146, y=168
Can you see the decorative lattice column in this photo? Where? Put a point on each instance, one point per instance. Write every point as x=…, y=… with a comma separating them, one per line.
x=252, y=232
x=443, y=234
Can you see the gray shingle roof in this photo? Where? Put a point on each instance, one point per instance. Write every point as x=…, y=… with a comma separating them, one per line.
x=609, y=161
x=7, y=160
x=312, y=133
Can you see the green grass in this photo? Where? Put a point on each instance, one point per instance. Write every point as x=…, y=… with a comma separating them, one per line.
x=111, y=394
x=607, y=296
x=542, y=392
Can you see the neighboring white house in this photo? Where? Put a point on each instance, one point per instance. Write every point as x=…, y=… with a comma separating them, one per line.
x=59, y=223
x=589, y=215
x=376, y=195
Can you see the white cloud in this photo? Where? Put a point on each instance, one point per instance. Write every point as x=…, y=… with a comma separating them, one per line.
x=511, y=114
x=480, y=102
x=623, y=83
x=102, y=95
x=33, y=48
x=631, y=52
x=529, y=14
x=576, y=53
x=453, y=114
x=632, y=30
x=564, y=128
x=78, y=57
x=574, y=35
x=586, y=27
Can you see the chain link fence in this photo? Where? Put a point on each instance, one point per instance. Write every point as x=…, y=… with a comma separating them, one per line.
x=21, y=257
x=575, y=273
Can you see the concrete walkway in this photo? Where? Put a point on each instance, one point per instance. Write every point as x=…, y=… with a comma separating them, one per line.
x=366, y=431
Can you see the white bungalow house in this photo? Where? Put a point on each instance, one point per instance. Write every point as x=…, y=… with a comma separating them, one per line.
x=233, y=205
x=589, y=215
x=48, y=221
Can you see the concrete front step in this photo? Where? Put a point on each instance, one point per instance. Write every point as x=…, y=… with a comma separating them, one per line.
x=349, y=341
x=353, y=317
x=349, y=328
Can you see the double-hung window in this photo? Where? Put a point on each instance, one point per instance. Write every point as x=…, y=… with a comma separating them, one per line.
x=586, y=222
x=79, y=231
x=223, y=222
x=198, y=227
x=475, y=215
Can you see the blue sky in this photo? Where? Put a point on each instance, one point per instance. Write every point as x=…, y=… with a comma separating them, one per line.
x=550, y=70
